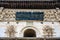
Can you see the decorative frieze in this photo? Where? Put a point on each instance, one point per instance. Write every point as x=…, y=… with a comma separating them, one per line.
x=10, y=14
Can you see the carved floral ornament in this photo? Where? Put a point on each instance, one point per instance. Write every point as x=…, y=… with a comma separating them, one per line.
x=10, y=31
x=48, y=31
x=47, y=28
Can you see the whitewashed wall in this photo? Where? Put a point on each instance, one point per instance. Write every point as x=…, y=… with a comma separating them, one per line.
x=21, y=27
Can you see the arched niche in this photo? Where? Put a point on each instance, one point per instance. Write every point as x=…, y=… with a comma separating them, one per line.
x=29, y=33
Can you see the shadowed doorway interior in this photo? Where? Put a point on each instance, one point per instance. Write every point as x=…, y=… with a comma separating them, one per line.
x=29, y=33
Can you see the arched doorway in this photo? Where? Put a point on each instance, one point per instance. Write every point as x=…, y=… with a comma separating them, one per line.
x=29, y=33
